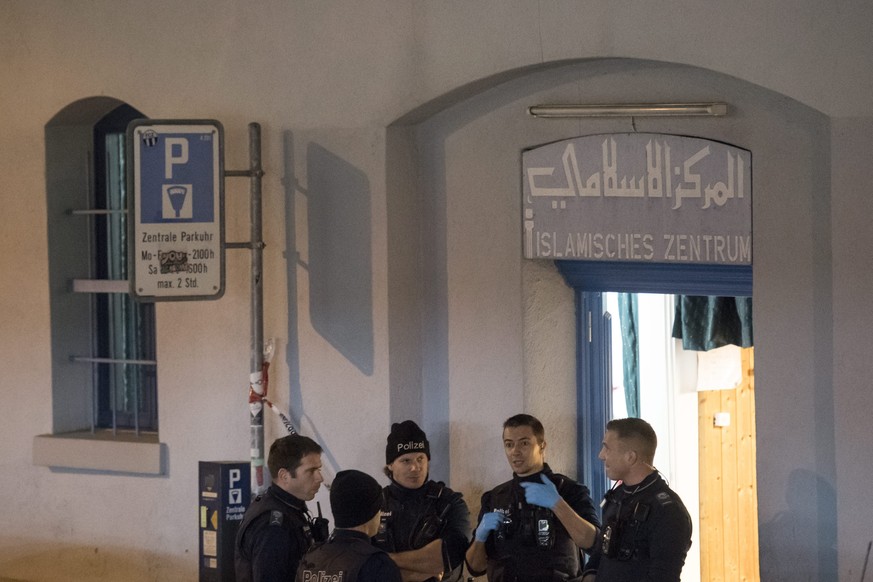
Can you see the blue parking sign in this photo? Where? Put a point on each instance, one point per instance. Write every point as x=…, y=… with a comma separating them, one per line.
x=176, y=209
x=178, y=174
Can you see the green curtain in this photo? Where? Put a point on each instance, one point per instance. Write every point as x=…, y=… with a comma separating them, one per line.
x=629, y=320
x=704, y=323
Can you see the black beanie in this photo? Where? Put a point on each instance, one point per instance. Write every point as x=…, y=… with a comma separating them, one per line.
x=405, y=437
x=355, y=498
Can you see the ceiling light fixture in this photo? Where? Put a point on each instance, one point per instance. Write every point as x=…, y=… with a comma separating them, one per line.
x=630, y=110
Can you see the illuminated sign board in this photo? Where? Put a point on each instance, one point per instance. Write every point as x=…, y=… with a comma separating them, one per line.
x=176, y=209
x=638, y=197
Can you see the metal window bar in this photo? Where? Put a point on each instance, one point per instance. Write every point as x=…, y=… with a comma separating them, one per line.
x=113, y=238
x=95, y=362
x=93, y=211
x=88, y=359
x=100, y=286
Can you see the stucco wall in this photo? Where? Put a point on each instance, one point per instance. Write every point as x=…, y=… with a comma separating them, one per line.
x=850, y=212
x=325, y=80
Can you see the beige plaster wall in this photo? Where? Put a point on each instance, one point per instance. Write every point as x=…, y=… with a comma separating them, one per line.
x=336, y=74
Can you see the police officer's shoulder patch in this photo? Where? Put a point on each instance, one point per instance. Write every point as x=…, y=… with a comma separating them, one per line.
x=276, y=517
x=664, y=498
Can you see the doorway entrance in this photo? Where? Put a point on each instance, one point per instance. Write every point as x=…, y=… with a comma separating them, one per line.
x=683, y=420
x=701, y=405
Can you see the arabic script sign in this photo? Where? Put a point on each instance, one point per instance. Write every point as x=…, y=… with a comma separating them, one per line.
x=639, y=197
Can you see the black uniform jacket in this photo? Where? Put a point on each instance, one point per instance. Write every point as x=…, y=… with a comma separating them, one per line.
x=273, y=536
x=646, y=534
x=412, y=518
x=347, y=556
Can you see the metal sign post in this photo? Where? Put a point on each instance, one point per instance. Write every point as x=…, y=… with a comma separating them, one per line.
x=176, y=234
x=259, y=477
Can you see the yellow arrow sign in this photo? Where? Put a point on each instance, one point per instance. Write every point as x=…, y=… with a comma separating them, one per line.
x=214, y=520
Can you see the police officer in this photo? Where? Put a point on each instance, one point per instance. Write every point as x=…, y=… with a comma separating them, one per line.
x=424, y=523
x=277, y=528
x=348, y=555
x=532, y=527
x=646, y=528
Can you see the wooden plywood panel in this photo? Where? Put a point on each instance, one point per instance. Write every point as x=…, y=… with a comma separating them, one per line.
x=747, y=494
x=728, y=490
x=730, y=525
x=711, y=514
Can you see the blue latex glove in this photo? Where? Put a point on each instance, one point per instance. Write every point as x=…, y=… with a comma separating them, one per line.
x=545, y=495
x=490, y=522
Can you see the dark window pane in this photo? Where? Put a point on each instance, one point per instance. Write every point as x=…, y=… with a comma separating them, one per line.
x=126, y=393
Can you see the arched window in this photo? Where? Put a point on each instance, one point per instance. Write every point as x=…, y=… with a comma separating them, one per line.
x=103, y=342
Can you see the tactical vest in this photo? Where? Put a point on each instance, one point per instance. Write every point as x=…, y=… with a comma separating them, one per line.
x=629, y=518
x=339, y=559
x=293, y=520
x=414, y=522
x=531, y=544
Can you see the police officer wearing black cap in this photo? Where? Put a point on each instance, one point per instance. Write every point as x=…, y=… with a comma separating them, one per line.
x=348, y=555
x=424, y=523
x=646, y=528
x=277, y=528
x=532, y=527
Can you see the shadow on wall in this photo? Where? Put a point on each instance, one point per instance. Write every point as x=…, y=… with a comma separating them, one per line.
x=339, y=259
x=340, y=266
x=812, y=511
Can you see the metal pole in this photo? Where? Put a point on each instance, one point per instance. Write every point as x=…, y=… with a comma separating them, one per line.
x=259, y=475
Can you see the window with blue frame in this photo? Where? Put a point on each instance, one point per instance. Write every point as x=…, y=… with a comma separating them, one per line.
x=103, y=342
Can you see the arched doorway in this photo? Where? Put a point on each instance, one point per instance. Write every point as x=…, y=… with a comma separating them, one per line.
x=468, y=337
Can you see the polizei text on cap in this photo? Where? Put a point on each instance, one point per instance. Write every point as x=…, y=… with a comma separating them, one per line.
x=411, y=446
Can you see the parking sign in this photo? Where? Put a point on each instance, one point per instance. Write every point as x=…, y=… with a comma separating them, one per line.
x=176, y=210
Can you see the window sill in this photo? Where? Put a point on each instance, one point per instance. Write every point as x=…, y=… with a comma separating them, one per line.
x=101, y=451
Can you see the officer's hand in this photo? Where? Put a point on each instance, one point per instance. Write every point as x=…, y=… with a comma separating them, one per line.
x=545, y=495
x=490, y=522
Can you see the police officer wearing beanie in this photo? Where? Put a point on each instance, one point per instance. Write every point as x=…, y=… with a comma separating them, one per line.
x=646, y=528
x=277, y=528
x=424, y=524
x=532, y=527
x=348, y=555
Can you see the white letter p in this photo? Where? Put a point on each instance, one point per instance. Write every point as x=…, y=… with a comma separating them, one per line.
x=169, y=159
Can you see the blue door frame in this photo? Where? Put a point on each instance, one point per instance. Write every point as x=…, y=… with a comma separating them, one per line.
x=589, y=281
x=593, y=386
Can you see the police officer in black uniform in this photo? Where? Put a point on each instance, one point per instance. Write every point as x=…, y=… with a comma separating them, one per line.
x=646, y=528
x=277, y=528
x=424, y=524
x=531, y=528
x=348, y=555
